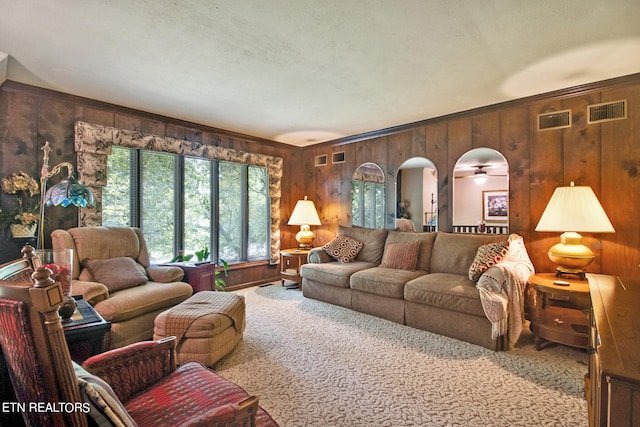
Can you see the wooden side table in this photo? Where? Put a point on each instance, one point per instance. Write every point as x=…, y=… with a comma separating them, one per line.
x=201, y=276
x=85, y=332
x=559, y=313
x=290, y=262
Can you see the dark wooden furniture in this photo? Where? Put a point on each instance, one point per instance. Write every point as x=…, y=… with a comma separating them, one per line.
x=290, y=262
x=559, y=313
x=201, y=276
x=613, y=382
x=85, y=332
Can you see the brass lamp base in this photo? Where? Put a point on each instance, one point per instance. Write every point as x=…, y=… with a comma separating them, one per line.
x=305, y=237
x=571, y=255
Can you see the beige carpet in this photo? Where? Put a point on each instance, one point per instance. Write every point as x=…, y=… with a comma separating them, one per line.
x=316, y=364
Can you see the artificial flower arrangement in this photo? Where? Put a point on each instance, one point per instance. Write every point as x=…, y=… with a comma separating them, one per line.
x=24, y=187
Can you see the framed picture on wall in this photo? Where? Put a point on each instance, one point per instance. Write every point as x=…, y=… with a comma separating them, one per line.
x=495, y=205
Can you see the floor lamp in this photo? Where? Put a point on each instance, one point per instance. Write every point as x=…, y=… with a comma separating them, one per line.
x=67, y=192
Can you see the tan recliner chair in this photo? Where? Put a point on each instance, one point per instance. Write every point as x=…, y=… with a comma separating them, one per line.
x=112, y=271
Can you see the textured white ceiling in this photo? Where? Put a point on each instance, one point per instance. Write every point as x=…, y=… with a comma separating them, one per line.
x=304, y=71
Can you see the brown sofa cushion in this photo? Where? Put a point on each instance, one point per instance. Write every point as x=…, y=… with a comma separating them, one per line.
x=383, y=281
x=453, y=253
x=453, y=292
x=116, y=273
x=333, y=273
x=426, y=245
x=343, y=248
x=402, y=256
x=373, y=240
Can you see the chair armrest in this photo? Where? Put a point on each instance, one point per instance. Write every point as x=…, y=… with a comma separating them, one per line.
x=165, y=273
x=237, y=414
x=92, y=292
x=318, y=256
x=135, y=367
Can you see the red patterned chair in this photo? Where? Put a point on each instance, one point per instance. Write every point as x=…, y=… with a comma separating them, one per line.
x=134, y=385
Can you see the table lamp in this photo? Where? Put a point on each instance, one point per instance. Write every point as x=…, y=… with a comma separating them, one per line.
x=304, y=215
x=571, y=210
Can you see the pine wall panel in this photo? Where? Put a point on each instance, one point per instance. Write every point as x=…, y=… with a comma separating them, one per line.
x=604, y=156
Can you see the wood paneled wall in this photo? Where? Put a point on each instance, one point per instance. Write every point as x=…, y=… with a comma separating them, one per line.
x=605, y=156
x=30, y=116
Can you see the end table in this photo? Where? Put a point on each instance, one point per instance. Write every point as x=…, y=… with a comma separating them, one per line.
x=85, y=332
x=559, y=311
x=290, y=262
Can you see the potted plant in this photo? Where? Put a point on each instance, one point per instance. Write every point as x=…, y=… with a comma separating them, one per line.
x=23, y=219
x=219, y=282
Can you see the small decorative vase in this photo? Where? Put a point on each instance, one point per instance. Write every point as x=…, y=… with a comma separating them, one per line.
x=60, y=262
x=19, y=231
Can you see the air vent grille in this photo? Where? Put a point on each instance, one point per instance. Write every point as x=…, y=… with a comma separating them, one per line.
x=555, y=120
x=608, y=111
x=337, y=157
x=321, y=160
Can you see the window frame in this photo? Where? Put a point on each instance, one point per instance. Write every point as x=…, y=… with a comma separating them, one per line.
x=135, y=202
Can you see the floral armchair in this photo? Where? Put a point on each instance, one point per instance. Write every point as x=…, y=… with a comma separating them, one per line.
x=134, y=385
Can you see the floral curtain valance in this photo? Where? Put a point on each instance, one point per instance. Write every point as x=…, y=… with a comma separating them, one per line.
x=93, y=145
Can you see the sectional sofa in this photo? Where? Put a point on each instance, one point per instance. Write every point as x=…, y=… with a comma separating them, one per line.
x=465, y=286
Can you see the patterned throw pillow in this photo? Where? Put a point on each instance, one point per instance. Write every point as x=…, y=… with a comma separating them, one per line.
x=104, y=406
x=487, y=256
x=343, y=248
x=402, y=256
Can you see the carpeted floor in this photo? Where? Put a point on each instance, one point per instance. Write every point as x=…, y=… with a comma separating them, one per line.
x=316, y=364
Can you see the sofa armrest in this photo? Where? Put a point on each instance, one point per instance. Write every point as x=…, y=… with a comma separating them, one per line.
x=165, y=273
x=318, y=255
x=92, y=292
x=133, y=368
x=238, y=413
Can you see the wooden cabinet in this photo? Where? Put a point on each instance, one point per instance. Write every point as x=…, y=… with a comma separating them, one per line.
x=290, y=262
x=200, y=276
x=613, y=381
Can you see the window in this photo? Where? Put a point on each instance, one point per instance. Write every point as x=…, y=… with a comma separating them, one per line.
x=367, y=204
x=187, y=203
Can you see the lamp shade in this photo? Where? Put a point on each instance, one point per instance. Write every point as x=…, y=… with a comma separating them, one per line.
x=69, y=192
x=574, y=208
x=304, y=213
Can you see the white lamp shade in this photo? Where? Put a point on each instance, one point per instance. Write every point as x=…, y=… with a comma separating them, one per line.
x=574, y=209
x=304, y=213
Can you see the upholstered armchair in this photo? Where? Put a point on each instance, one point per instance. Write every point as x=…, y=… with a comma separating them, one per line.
x=112, y=271
x=133, y=385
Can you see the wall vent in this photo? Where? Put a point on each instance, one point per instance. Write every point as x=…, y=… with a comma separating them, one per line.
x=607, y=111
x=337, y=157
x=555, y=120
x=321, y=160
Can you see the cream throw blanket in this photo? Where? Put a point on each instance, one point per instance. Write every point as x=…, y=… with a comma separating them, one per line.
x=502, y=289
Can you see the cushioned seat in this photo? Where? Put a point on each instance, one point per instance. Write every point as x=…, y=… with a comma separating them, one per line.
x=444, y=290
x=208, y=326
x=334, y=274
x=388, y=282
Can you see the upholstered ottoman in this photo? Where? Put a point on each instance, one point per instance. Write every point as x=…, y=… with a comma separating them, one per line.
x=207, y=326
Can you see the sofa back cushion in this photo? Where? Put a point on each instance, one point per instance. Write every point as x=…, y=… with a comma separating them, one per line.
x=454, y=253
x=373, y=242
x=426, y=245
